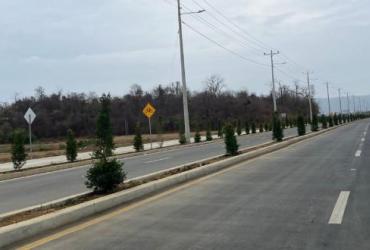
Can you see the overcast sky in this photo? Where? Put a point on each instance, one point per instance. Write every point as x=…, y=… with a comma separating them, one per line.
x=106, y=46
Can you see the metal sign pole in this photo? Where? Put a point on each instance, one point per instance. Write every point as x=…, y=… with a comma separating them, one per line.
x=150, y=134
x=30, y=133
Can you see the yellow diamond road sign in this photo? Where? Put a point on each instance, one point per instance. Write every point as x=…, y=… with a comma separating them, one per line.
x=149, y=110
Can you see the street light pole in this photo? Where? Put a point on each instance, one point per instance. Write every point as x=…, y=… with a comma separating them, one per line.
x=272, y=54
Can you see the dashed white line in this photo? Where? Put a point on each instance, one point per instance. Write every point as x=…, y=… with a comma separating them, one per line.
x=358, y=153
x=362, y=139
x=157, y=160
x=339, y=208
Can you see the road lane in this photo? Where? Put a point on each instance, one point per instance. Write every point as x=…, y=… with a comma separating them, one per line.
x=279, y=201
x=24, y=192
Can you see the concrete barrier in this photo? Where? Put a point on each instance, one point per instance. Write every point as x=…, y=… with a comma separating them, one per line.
x=17, y=232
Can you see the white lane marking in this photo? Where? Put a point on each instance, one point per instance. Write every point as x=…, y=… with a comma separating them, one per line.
x=339, y=208
x=353, y=169
x=358, y=153
x=362, y=139
x=157, y=160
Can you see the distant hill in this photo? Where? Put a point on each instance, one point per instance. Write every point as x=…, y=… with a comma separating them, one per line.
x=334, y=102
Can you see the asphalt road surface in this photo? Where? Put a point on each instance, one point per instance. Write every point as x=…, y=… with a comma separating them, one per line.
x=24, y=192
x=312, y=195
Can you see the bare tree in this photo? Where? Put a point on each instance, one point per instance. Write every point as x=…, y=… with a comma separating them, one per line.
x=214, y=84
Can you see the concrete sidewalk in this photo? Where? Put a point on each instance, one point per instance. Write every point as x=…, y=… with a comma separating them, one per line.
x=41, y=162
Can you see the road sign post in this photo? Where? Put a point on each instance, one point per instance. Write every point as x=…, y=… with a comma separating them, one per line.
x=30, y=117
x=149, y=111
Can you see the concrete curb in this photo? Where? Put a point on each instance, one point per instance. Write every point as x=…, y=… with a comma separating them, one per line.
x=17, y=232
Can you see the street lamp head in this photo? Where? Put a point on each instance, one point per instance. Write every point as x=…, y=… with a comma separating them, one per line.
x=193, y=12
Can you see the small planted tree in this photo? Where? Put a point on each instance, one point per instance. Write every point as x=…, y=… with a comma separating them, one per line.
x=182, y=138
x=254, y=128
x=301, y=127
x=197, y=137
x=138, y=139
x=277, y=130
x=71, y=146
x=209, y=134
x=18, y=150
x=261, y=128
x=324, y=122
x=315, y=123
x=106, y=174
x=230, y=140
x=239, y=127
x=247, y=128
x=219, y=130
x=336, y=120
x=331, y=121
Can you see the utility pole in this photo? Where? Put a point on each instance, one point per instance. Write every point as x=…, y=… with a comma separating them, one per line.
x=309, y=96
x=348, y=106
x=354, y=104
x=183, y=72
x=327, y=90
x=340, y=101
x=183, y=77
x=272, y=54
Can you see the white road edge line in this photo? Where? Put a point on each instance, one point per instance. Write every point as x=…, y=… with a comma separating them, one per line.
x=336, y=217
x=358, y=153
x=157, y=160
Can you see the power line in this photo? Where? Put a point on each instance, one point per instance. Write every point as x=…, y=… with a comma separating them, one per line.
x=223, y=47
x=230, y=28
x=218, y=30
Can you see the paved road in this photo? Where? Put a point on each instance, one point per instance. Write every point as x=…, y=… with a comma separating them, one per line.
x=34, y=190
x=283, y=200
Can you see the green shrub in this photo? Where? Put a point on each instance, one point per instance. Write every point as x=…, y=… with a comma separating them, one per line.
x=105, y=176
x=301, y=127
x=254, y=129
x=197, y=137
x=209, y=135
x=182, y=138
x=138, y=139
x=277, y=130
x=247, y=128
x=239, y=128
x=315, y=124
x=71, y=146
x=324, y=122
x=18, y=150
x=230, y=140
x=261, y=128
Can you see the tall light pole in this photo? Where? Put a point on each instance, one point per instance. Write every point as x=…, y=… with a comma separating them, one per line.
x=309, y=95
x=183, y=73
x=327, y=91
x=272, y=54
x=340, y=101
